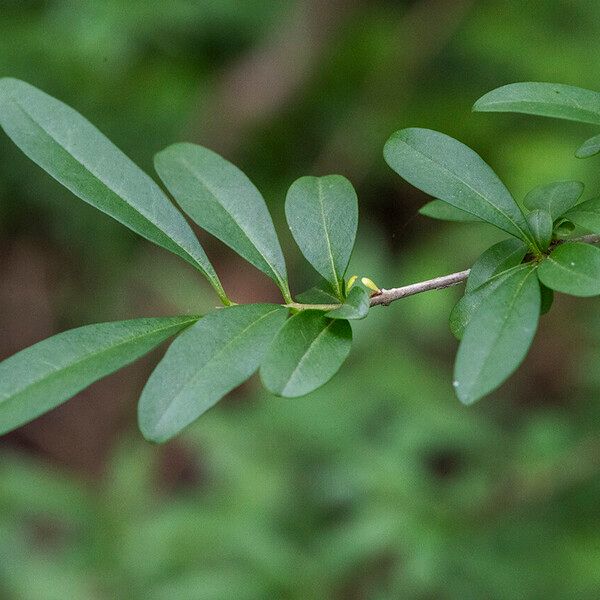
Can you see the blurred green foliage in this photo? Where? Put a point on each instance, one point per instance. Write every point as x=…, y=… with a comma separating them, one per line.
x=380, y=485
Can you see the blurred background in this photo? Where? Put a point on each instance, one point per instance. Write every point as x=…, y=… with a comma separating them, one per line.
x=380, y=485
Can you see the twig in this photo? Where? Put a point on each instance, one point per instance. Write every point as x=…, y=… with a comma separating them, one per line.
x=385, y=297
x=445, y=281
x=438, y=283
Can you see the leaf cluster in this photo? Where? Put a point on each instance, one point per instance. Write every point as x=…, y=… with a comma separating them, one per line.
x=300, y=344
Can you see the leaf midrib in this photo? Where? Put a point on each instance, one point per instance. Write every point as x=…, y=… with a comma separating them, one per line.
x=94, y=355
x=146, y=219
x=280, y=280
x=304, y=357
x=579, y=274
x=327, y=239
x=469, y=186
x=191, y=380
x=504, y=321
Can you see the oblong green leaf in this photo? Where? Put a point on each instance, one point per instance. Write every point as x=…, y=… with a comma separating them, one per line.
x=498, y=336
x=541, y=224
x=447, y=169
x=589, y=148
x=556, y=197
x=466, y=307
x=438, y=209
x=322, y=213
x=497, y=258
x=76, y=154
x=356, y=305
x=544, y=99
x=586, y=215
x=306, y=353
x=572, y=268
x=223, y=201
x=206, y=362
x=50, y=372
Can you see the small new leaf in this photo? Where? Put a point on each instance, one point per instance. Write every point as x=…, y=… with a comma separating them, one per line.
x=498, y=336
x=356, y=305
x=50, y=372
x=450, y=171
x=223, y=201
x=543, y=99
x=322, y=213
x=572, y=268
x=206, y=362
x=586, y=215
x=555, y=198
x=306, y=353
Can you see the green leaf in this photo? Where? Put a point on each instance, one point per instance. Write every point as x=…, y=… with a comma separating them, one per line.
x=547, y=299
x=589, y=148
x=306, y=353
x=466, y=307
x=76, y=154
x=586, y=215
x=447, y=169
x=540, y=224
x=356, y=305
x=438, y=209
x=572, y=268
x=322, y=213
x=43, y=376
x=202, y=365
x=224, y=202
x=498, y=336
x=544, y=99
x=499, y=257
x=555, y=198
x=564, y=228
